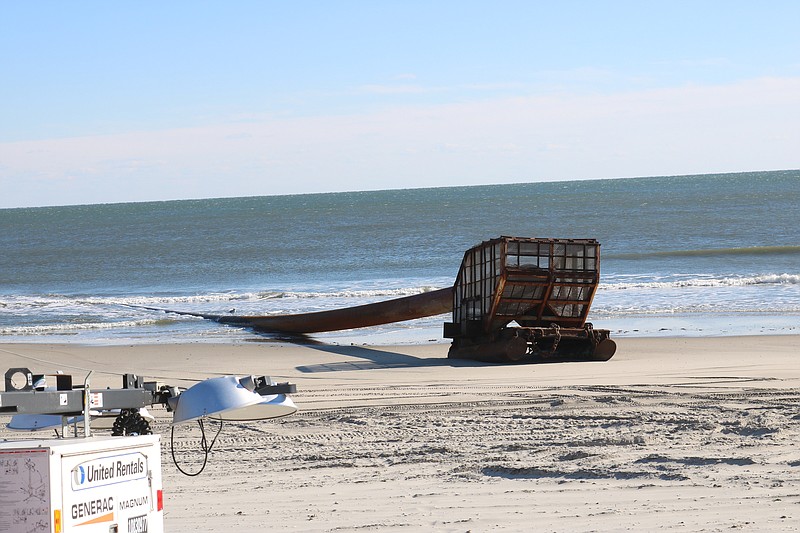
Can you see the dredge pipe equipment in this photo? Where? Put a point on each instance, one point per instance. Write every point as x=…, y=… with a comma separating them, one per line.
x=544, y=286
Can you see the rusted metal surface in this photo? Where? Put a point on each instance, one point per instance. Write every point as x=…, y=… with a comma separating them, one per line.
x=397, y=310
x=545, y=286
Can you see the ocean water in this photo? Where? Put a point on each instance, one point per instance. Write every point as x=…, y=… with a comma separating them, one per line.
x=685, y=255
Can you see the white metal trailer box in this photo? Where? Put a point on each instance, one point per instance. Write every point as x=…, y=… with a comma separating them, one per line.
x=81, y=485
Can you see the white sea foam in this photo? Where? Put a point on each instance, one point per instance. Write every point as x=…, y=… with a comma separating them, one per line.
x=65, y=328
x=365, y=294
x=709, y=282
x=16, y=302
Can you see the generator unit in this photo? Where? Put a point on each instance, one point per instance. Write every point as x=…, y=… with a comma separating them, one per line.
x=97, y=484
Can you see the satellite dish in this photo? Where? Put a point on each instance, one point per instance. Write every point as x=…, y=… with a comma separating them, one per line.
x=100, y=419
x=272, y=406
x=215, y=396
x=25, y=422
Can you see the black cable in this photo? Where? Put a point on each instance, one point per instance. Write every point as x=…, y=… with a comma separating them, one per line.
x=204, y=447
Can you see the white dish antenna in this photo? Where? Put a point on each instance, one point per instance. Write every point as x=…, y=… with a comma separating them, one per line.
x=229, y=398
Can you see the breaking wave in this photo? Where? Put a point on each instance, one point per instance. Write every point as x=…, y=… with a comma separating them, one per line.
x=56, y=300
x=707, y=282
x=74, y=328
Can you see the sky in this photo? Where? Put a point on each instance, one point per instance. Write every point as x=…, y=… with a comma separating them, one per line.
x=106, y=102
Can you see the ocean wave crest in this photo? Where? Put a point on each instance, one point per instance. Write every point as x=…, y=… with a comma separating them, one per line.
x=372, y=293
x=766, y=279
x=66, y=328
x=58, y=300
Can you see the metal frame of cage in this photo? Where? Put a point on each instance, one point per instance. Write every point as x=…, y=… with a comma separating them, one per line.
x=535, y=282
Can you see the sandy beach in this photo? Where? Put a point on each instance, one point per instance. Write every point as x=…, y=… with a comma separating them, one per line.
x=685, y=434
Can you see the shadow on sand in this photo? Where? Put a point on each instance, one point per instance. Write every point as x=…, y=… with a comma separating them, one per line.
x=372, y=359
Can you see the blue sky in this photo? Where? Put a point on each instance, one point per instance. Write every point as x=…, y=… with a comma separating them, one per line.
x=115, y=102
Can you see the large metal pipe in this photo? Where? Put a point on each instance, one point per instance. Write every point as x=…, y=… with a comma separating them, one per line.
x=397, y=310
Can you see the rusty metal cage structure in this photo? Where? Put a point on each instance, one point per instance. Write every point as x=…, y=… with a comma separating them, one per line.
x=535, y=282
x=541, y=284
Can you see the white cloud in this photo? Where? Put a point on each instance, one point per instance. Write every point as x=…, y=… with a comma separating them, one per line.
x=750, y=125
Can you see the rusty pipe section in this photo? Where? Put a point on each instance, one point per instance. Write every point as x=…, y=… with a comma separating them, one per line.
x=397, y=310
